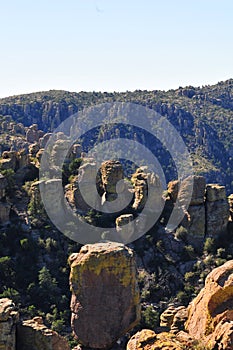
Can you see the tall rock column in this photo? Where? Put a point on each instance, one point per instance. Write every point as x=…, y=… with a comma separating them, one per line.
x=194, y=221
x=105, y=295
x=217, y=209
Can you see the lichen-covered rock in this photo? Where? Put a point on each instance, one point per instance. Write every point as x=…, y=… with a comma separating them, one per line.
x=210, y=315
x=105, y=296
x=149, y=340
x=166, y=318
x=34, y=335
x=174, y=318
x=179, y=319
x=8, y=320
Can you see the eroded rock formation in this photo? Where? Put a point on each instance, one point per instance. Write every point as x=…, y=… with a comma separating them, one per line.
x=144, y=181
x=8, y=320
x=210, y=315
x=174, y=318
x=105, y=296
x=217, y=209
x=34, y=335
x=149, y=340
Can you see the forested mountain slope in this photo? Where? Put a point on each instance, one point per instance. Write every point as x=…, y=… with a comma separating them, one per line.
x=202, y=115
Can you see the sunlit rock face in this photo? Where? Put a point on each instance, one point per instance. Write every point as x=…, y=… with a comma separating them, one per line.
x=105, y=295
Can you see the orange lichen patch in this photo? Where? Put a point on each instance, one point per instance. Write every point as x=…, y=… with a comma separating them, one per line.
x=115, y=259
x=149, y=340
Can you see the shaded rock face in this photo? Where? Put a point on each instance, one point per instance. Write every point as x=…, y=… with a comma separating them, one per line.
x=198, y=189
x=34, y=335
x=105, y=295
x=195, y=220
x=210, y=315
x=3, y=185
x=149, y=340
x=8, y=320
x=4, y=206
x=217, y=209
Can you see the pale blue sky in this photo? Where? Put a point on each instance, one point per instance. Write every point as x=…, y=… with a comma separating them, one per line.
x=114, y=45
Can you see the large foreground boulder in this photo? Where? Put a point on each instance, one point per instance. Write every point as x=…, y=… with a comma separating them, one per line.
x=210, y=314
x=105, y=295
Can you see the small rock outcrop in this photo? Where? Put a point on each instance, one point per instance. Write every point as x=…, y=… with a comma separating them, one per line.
x=210, y=315
x=174, y=318
x=147, y=339
x=8, y=320
x=105, y=295
x=34, y=335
